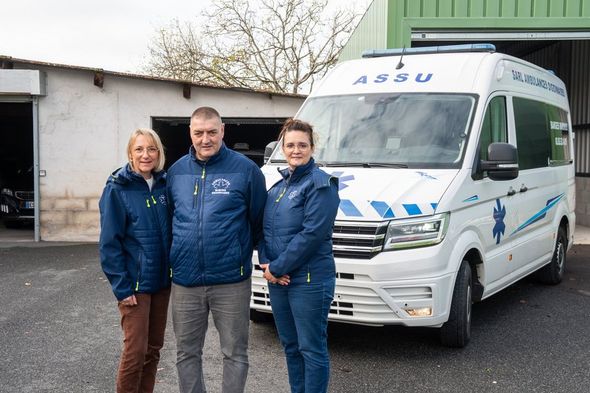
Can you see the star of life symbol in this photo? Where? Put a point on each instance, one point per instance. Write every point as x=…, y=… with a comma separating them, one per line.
x=342, y=179
x=499, y=214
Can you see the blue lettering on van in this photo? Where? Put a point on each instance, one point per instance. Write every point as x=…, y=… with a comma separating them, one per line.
x=401, y=77
x=381, y=78
x=500, y=227
x=397, y=78
x=362, y=79
x=537, y=82
x=421, y=79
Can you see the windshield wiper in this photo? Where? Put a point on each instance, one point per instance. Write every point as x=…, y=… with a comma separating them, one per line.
x=366, y=164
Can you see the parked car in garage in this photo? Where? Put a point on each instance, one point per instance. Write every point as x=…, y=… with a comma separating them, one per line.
x=17, y=198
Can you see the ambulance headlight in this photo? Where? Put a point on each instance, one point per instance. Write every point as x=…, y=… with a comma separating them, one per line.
x=418, y=232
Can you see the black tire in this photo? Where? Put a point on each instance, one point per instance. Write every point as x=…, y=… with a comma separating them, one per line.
x=260, y=317
x=552, y=273
x=456, y=332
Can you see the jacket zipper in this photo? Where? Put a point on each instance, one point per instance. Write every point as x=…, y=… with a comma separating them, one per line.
x=276, y=206
x=138, y=272
x=200, y=215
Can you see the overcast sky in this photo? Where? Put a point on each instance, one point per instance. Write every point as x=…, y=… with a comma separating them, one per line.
x=108, y=34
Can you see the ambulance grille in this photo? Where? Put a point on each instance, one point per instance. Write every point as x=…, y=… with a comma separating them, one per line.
x=358, y=240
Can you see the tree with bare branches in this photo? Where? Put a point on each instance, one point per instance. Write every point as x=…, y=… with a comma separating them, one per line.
x=275, y=45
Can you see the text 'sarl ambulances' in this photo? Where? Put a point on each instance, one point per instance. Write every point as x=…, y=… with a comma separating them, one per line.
x=456, y=176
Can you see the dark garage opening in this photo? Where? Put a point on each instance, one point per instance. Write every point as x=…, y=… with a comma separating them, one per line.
x=249, y=136
x=16, y=170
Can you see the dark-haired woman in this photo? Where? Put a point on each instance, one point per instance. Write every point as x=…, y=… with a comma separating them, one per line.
x=297, y=258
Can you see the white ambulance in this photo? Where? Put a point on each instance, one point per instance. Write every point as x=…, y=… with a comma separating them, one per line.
x=456, y=180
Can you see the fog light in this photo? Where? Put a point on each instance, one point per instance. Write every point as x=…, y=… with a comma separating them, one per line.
x=419, y=312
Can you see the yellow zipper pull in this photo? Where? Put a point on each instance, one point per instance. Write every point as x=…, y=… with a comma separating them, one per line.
x=242, y=270
x=170, y=272
x=137, y=286
x=203, y=173
x=308, y=277
x=196, y=189
x=281, y=195
x=147, y=202
x=154, y=200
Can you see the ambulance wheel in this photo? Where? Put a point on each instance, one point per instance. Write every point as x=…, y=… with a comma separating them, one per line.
x=260, y=317
x=552, y=273
x=456, y=332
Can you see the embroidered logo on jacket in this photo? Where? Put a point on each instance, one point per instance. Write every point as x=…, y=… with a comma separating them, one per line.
x=162, y=199
x=293, y=194
x=220, y=186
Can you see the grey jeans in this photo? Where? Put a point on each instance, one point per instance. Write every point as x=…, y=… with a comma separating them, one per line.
x=230, y=307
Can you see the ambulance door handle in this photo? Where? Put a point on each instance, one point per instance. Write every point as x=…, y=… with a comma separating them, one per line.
x=511, y=191
x=523, y=188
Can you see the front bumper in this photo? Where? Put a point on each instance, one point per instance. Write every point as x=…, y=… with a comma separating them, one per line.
x=361, y=297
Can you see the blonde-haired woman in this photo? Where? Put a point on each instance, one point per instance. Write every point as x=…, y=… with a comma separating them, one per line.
x=134, y=245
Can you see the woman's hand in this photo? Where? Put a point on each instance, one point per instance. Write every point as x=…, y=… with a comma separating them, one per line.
x=129, y=301
x=283, y=280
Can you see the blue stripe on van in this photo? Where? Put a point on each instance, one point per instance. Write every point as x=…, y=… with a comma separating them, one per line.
x=383, y=209
x=412, y=209
x=540, y=214
x=472, y=198
x=349, y=209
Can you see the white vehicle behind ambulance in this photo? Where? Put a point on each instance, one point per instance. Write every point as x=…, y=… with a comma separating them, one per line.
x=456, y=176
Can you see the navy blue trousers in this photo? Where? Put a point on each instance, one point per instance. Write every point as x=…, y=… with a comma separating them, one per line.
x=301, y=316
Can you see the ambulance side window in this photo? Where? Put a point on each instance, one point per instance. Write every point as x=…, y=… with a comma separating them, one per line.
x=494, y=125
x=532, y=133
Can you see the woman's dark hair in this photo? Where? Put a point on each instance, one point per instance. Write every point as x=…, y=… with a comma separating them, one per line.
x=297, y=125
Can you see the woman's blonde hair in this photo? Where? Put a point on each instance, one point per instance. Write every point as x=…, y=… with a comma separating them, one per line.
x=155, y=139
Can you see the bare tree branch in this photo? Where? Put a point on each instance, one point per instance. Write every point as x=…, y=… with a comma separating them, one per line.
x=276, y=45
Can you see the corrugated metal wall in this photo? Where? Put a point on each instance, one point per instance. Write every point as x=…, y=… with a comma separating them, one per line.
x=494, y=8
x=371, y=32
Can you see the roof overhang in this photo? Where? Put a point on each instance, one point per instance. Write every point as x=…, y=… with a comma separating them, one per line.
x=22, y=82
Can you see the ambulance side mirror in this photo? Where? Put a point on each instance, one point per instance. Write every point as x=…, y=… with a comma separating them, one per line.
x=269, y=149
x=502, y=162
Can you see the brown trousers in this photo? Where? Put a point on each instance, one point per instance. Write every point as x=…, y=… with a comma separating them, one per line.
x=143, y=337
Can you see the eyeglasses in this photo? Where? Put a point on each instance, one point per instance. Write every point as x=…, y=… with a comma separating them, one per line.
x=300, y=146
x=138, y=151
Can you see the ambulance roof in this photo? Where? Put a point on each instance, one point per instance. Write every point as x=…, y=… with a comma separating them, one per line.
x=469, y=73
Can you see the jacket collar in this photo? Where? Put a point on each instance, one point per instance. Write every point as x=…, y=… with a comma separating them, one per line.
x=223, y=151
x=125, y=175
x=299, y=171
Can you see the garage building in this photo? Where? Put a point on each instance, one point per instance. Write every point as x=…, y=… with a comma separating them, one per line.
x=64, y=129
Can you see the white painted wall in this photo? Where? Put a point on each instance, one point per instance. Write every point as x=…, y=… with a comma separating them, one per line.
x=83, y=132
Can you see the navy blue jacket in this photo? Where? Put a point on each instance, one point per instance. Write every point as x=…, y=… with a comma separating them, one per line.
x=298, y=222
x=135, y=233
x=217, y=210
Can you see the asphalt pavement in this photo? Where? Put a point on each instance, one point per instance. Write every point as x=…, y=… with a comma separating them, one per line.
x=59, y=332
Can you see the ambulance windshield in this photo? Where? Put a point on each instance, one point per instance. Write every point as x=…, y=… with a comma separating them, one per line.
x=398, y=130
